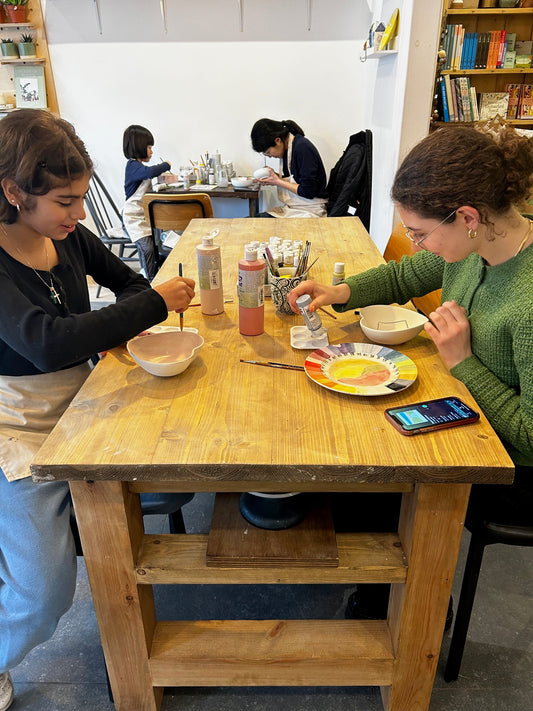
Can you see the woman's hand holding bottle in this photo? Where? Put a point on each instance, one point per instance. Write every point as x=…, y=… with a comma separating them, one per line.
x=176, y=292
x=321, y=294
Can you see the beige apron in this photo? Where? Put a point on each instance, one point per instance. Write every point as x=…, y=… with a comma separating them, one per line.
x=133, y=213
x=293, y=204
x=30, y=406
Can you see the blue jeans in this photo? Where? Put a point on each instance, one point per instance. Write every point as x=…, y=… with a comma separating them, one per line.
x=37, y=564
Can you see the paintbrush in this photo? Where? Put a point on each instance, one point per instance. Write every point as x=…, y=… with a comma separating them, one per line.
x=180, y=272
x=272, y=364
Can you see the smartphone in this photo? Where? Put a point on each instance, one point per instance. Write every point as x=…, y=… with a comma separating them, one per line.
x=431, y=415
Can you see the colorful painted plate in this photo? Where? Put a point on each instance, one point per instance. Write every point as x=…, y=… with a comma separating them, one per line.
x=361, y=369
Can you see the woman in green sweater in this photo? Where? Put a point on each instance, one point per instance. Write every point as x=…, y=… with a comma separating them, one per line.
x=457, y=194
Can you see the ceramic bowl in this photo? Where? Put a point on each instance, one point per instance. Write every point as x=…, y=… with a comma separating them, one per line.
x=390, y=325
x=166, y=352
x=241, y=181
x=261, y=173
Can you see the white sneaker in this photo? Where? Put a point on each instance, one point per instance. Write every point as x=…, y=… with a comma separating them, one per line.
x=6, y=691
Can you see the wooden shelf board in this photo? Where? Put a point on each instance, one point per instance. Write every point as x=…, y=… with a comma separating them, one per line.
x=486, y=72
x=272, y=653
x=18, y=60
x=14, y=25
x=181, y=559
x=492, y=11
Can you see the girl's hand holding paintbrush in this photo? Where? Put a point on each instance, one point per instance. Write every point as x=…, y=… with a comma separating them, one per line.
x=176, y=292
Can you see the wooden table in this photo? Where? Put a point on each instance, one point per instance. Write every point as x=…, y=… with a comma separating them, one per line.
x=227, y=426
x=250, y=194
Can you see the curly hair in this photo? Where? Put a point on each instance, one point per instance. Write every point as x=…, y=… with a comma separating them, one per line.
x=461, y=165
x=39, y=152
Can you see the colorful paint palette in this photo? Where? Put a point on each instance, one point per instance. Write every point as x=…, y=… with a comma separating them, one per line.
x=361, y=369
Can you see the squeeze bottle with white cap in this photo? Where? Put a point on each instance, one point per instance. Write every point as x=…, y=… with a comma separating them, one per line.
x=338, y=273
x=210, y=276
x=251, y=288
x=311, y=318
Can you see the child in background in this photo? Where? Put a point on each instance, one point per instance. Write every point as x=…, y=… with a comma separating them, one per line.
x=137, y=146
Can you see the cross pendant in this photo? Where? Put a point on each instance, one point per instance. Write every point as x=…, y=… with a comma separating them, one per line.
x=54, y=296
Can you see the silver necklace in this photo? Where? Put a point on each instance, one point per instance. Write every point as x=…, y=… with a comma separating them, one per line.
x=54, y=296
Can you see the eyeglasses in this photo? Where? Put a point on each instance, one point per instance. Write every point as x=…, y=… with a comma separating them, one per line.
x=418, y=242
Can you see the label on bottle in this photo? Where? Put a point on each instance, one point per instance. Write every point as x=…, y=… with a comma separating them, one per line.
x=209, y=276
x=251, y=288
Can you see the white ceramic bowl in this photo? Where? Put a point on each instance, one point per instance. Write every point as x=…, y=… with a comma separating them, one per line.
x=261, y=173
x=241, y=181
x=166, y=352
x=390, y=325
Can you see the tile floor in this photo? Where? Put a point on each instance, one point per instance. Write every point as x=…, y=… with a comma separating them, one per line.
x=496, y=675
x=497, y=672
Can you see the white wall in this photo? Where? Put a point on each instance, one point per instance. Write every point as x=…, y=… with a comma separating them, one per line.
x=201, y=85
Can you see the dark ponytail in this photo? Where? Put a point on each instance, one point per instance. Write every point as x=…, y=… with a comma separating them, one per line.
x=265, y=131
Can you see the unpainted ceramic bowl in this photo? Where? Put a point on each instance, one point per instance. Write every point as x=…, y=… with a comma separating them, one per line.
x=165, y=353
x=261, y=173
x=390, y=325
x=241, y=181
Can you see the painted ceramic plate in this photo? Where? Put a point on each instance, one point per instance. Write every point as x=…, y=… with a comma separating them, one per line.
x=361, y=369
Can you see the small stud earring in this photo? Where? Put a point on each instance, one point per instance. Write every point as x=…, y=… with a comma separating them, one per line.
x=472, y=234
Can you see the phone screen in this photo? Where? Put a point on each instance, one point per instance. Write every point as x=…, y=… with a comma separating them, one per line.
x=431, y=415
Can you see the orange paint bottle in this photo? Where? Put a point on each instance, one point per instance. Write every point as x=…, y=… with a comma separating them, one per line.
x=251, y=288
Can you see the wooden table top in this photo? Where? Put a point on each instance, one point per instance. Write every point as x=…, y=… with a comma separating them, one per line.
x=227, y=192
x=223, y=425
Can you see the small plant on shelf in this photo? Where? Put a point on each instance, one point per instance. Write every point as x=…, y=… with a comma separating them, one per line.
x=26, y=46
x=15, y=10
x=9, y=48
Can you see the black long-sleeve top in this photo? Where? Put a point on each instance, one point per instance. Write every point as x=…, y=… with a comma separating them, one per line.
x=38, y=336
x=307, y=168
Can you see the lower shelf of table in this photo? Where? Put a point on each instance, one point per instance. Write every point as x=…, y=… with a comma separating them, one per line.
x=181, y=559
x=272, y=653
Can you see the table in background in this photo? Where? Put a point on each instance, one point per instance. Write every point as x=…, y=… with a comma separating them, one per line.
x=228, y=426
x=250, y=194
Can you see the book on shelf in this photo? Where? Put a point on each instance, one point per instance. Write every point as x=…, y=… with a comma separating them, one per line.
x=493, y=103
x=473, y=102
x=524, y=53
x=510, y=59
x=442, y=100
x=525, y=106
x=464, y=93
x=510, y=40
x=501, y=48
x=514, y=91
x=30, y=87
x=452, y=102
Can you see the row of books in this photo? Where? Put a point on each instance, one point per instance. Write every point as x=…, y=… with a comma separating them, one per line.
x=497, y=49
x=458, y=101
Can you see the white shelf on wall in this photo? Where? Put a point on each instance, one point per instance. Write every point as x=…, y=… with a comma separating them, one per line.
x=378, y=53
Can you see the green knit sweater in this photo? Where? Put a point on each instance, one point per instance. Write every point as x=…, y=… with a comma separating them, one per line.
x=499, y=305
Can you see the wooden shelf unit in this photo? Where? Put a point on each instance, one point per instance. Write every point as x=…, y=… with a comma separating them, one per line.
x=519, y=20
x=35, y=24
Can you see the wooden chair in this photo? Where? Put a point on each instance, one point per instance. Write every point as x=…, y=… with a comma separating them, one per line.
x=173, y=212
x=108, y=222
x=398, y=246
x=484, y=533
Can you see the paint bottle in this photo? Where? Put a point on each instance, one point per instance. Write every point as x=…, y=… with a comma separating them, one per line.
x=211, y=177
x=251, y=287
x=311, y=318
x=210, y=276
x=338, y=273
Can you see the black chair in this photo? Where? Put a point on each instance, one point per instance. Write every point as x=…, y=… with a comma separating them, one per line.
x=108, y=222
x=484, y=533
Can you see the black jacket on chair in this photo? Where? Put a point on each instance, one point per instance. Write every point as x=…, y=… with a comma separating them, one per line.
x=350, y=182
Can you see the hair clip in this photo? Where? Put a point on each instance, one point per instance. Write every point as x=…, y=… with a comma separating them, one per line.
x=42, y=164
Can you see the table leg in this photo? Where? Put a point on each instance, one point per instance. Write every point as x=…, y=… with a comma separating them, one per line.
x=252, y=207
x=431, y=526
x=110, y=524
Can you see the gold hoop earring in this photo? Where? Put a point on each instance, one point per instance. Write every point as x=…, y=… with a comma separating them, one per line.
x=472, y=234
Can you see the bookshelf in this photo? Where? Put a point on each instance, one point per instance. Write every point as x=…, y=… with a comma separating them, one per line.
x=34, y=26
x=484, y=20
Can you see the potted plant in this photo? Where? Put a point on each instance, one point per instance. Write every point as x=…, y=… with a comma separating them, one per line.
x=15, y=10
x=26, y=47
x=9, y=48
